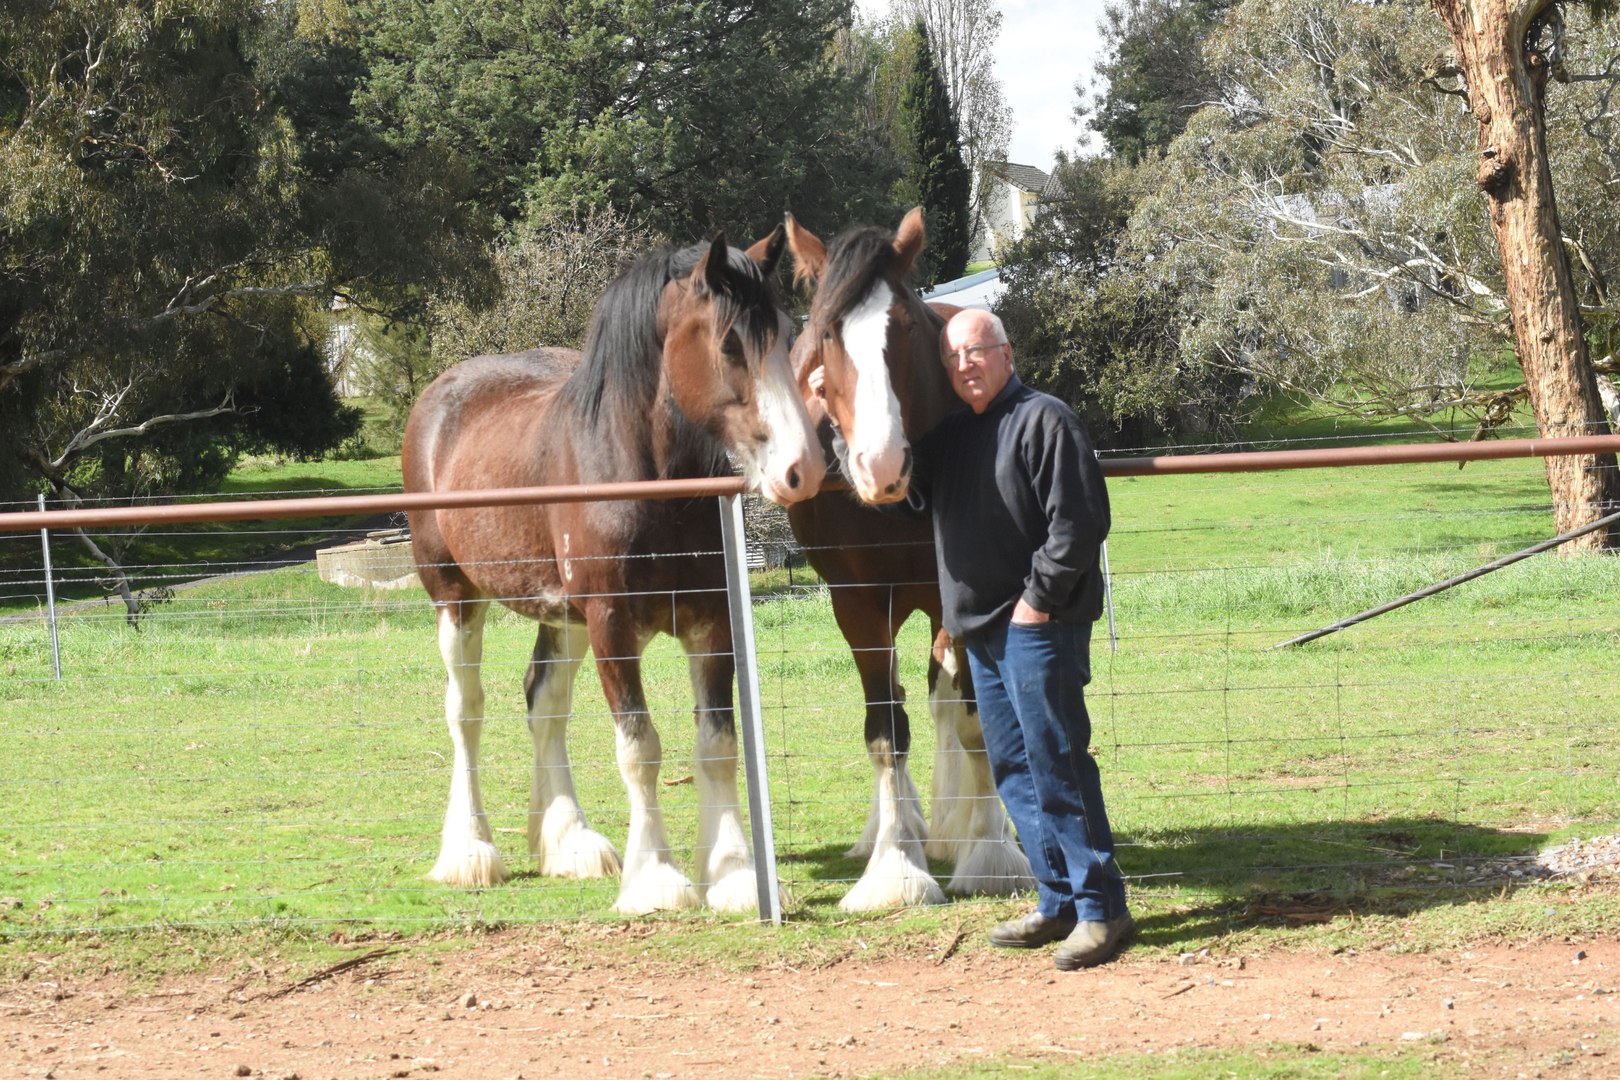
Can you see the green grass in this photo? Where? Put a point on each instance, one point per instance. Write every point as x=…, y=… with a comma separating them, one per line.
x=270, y=750
x=266, y=756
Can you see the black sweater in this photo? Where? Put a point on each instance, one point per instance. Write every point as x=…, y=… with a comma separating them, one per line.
x=1019, y=509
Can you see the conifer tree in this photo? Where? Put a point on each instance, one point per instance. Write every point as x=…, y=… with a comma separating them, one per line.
x=936, y=169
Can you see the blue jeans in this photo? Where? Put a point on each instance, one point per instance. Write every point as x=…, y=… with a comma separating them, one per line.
x=1029, y=681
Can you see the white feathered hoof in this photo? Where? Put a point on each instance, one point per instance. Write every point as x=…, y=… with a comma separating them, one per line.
x=472, y=864
x=579, y=852
x=659, y=887
x=991, y=868
x=735, y=892
x=945, y=835
x=891, y=881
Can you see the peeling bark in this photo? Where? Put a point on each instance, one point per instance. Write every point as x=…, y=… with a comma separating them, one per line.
x=1507, y=82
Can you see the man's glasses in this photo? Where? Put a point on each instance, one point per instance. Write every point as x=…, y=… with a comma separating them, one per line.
x=976, y=353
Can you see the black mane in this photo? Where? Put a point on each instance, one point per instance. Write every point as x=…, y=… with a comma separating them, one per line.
x=618, y=374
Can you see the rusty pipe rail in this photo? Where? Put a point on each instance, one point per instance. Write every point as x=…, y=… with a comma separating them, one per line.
x=1338, y=457
x=1169, y=465
x=343, y=505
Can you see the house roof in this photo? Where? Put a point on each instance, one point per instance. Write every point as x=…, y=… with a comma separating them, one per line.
x=980, y=290
x=1026, y=177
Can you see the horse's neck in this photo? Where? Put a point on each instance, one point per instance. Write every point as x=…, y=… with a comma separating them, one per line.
x=680, y=449
x=932, y=398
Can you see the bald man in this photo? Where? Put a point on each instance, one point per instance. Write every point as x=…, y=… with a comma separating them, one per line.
x=1020, y=513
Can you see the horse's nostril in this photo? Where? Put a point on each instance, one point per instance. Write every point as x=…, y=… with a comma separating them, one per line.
x=793, y=478
x=905, y=464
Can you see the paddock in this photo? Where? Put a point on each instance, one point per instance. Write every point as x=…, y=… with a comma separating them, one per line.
x=268, y=748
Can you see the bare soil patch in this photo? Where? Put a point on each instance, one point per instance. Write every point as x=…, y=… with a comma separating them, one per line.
x=540, y=1002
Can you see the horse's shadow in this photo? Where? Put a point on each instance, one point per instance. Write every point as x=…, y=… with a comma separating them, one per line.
x=1197, y=883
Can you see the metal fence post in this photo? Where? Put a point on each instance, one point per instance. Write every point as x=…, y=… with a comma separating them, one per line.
x=50, y=596
x=753, y=729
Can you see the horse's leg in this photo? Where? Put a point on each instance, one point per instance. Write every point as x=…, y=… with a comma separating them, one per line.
x=862, y=619
x=949, y=699
x=467, y=854
x=559, y=839
x=989, y=861
x=725, y=865
x=650, y=881
x=896, y=873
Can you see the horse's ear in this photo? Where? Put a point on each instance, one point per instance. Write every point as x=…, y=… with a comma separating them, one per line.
x=709, y=275
x=809, y=253
x=768, y=252
x=909, y=241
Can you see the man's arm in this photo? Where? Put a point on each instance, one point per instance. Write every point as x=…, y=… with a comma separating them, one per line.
x=1068, y=483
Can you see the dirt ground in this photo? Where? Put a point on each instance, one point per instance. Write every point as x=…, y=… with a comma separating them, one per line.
x=528, y=1003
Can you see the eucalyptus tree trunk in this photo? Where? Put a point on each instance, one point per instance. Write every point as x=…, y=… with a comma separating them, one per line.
x=1507, y=83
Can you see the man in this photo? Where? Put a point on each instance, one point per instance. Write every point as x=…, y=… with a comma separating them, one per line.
x=1020, y=513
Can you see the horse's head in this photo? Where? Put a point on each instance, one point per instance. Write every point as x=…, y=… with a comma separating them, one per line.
x=726, y=360
x=864, y=330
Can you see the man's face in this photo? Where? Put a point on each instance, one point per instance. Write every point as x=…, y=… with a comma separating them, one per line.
x=979, y=363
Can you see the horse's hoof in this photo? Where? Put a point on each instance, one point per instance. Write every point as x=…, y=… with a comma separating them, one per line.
x=991, y=868
x=659, y=887
x=580, y=853
x=477, y=866
x=734, y=893
x=892, y=880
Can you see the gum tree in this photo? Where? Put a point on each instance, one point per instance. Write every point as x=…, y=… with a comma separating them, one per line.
x=1506, y=50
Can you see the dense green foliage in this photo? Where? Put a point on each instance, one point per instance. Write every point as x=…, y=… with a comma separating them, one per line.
x=692, y=117
x=1153, y=75
x=182, y=191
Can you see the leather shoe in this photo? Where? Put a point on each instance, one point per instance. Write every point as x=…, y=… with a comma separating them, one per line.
x=1093, y=943
x=1032, y=931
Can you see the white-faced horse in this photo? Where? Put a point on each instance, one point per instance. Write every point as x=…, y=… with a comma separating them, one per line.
x=882, y=385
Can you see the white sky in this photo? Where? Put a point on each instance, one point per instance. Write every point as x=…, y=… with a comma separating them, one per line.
x=1046, y=46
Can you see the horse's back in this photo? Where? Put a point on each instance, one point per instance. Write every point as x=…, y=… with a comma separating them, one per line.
x=474, y=411
x=482, y=424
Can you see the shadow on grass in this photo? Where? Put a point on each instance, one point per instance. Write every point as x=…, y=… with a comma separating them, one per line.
x=1291, y=874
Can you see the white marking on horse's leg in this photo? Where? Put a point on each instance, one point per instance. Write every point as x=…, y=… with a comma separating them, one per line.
x=559, y=839
x=650, y=880
x=877, y=446
x=725, y=864
x=910, y=809
x=861, y=848
x=950, y=804
x=467, y=854
x=989, y=861
x=897, y=873
x=792, y=451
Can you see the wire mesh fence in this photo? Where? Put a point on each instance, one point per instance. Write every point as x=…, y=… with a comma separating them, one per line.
x=257, y=745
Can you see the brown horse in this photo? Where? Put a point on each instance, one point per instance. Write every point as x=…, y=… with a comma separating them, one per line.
x=686, y=362
x=883, y=384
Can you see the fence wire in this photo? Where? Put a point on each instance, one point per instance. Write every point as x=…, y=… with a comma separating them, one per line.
x=262, y=746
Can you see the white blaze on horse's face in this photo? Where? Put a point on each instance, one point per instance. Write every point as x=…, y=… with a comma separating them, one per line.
x=789, y=468
x=878, y=454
